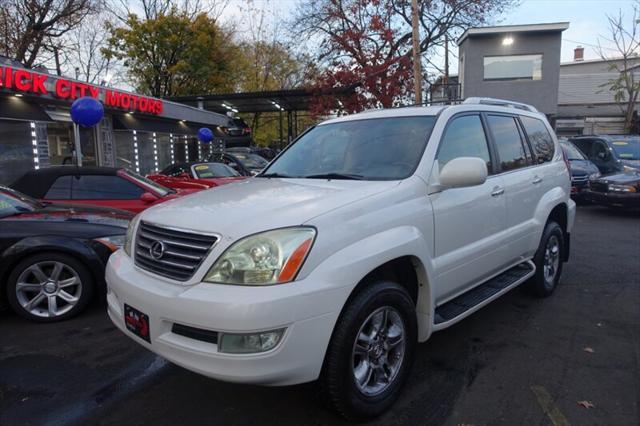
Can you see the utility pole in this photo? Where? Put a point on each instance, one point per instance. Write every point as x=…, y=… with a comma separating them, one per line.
x=417, y=68
x=446, y=59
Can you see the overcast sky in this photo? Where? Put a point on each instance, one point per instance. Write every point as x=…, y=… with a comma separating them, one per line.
x=587, y=19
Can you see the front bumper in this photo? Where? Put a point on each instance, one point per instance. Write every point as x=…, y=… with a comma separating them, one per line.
x=308, y=311
x=613, y=199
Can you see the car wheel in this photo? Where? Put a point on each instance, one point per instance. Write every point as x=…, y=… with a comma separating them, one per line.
x=548, y=261
x=371, y=352
x=49, y=287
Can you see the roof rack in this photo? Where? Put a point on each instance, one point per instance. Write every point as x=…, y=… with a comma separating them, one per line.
x=501, y=102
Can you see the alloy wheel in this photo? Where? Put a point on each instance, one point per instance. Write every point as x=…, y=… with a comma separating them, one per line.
x=379, y=350
x=48, y=289
x=551, y=260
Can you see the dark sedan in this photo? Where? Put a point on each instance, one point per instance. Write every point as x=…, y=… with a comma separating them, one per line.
x=52, y=257
x=582, y=170
x=617, y=190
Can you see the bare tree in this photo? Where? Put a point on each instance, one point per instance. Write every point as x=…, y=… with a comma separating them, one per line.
x=625, y=87
x=84, y=50
x=28, y=26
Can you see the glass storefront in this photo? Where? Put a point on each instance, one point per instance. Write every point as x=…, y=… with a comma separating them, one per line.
x=61, y=144
x=16, y=150
x=125, y=152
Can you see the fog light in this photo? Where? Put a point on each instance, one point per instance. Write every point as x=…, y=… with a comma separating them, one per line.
x=249, y=343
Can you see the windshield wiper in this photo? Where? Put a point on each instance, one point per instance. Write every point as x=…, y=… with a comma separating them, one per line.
x=335, y=176
x=274, y=175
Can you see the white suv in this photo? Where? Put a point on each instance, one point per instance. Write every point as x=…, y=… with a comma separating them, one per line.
x=362, y=238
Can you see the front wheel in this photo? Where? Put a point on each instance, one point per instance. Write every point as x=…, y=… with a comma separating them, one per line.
x=49, y=287
x=548, y=260
x=371, y=351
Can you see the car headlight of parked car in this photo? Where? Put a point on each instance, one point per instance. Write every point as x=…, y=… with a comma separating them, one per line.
x=112, y=242
x=594, y=176
x=622, y=188
x=272, y=257
x=128, y=238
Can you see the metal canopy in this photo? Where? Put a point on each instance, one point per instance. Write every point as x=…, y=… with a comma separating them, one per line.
x=251, y=102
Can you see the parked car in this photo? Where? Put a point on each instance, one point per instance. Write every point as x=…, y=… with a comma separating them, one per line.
x=235, y=133
x=208, y=174
x=616, y=190
x=246, y=164
x=52, y=257
x=582, y=170
x=611, y=153
x=361, y=239
x=264, y=152
x=100, y=186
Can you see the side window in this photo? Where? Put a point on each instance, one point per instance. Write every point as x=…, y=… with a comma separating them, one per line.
x=60, y=190
x=97, y=187
x=464, y=137
x=584, y=145
x=508, y=142
x=539, y=138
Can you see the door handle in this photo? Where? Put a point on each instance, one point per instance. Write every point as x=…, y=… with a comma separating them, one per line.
x=536, y=180
x=497, y=192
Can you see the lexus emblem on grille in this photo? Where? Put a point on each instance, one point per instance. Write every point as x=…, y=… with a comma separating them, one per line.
x=157, y=250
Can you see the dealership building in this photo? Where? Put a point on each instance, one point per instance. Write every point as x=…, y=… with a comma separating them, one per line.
x=138, y=132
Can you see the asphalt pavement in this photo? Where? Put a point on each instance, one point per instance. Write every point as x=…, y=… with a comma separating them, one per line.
x=573, y=358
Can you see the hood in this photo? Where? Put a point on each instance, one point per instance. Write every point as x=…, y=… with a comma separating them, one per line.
x=634, y=164
x=260, y=204
x=76, y=213
x=628, y=178
x=582, y=167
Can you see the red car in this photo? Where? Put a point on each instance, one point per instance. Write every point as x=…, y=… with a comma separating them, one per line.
x=99, y=186
x=209, y=174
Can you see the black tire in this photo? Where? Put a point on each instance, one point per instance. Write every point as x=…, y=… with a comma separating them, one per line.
x=337, y=381
x=541, y=285
x=71, y=265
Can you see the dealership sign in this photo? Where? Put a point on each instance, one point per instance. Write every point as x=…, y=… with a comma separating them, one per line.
x=24, y=81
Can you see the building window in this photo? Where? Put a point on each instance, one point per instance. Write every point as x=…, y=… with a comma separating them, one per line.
x=16, y=150
x=513, y=67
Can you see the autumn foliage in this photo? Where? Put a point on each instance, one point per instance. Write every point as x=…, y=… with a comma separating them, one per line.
x=367, y=43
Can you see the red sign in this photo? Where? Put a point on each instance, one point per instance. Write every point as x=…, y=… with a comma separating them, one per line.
x=25, y=81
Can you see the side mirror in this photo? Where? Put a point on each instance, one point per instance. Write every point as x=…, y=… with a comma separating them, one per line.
x=148, y=197
x=462, y=172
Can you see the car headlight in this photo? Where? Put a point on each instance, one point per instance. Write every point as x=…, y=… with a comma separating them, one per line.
x=622, y=188
x=272, y=257
x=112, y=242
x=128, y=237
x=594, y=176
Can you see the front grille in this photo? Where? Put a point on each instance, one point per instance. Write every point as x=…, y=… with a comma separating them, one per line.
x=579, y=178
x=599, y=187
x=182, y=253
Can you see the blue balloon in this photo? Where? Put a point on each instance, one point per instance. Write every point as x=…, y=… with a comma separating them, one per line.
x=205, y=135
x=87, y=111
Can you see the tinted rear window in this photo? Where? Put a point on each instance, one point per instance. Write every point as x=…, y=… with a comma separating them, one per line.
x=60, y=190
x=507, y=138
x=98, y=187
x=539, y=138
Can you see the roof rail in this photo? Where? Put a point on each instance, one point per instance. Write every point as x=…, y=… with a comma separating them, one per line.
x=501, y=102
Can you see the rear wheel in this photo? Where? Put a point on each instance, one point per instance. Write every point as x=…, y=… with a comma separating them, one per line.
x=371, y=351
x=548, y=260
x=49, y=287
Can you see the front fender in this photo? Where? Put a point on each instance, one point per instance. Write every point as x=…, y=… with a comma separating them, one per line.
x=349, y=265
x=94, y=257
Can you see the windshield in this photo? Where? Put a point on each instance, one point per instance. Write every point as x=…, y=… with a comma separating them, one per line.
x=572, y=152
x=13, y=202
x=628, y=148
x=374, y=149
x=250, y=160
x=213, y=170
x=151, y=185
